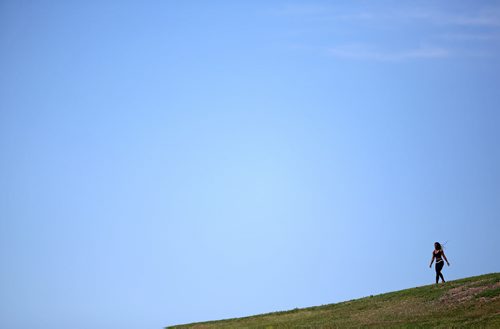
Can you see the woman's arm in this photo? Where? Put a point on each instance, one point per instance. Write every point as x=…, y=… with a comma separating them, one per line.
x=444, y=256
x=432, y=260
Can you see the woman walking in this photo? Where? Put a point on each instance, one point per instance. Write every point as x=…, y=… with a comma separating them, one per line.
x=438, y=254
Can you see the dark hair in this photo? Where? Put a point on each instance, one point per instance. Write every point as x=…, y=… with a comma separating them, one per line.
x=437, y=245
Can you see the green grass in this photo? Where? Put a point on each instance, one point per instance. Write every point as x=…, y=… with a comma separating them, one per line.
x=490, y=293
x=466, y=303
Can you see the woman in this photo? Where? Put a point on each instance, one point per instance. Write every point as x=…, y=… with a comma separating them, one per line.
x=438, y=254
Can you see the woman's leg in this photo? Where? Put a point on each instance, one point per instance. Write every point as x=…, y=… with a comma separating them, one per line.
x=441, y=275
x=439, y=267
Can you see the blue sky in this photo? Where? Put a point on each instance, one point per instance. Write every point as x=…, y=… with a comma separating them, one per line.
x=165, y=162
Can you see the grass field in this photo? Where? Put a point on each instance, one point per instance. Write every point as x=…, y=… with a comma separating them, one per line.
x=466, y=303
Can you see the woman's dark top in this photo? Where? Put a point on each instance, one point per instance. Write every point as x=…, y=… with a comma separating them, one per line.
x=438, y=255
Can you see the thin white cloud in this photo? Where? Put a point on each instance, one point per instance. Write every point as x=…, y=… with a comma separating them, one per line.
x=470, y=31
x=469, y=36
x=489, y=19
x=486, y=17
x=481, y=16
x=362, y=52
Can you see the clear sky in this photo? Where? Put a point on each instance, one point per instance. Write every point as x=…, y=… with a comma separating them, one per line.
x=164, y=162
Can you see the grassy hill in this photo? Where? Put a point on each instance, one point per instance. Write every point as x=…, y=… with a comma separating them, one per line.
x=467, y=303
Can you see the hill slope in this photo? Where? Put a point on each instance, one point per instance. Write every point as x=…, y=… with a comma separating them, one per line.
x=471, y=302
